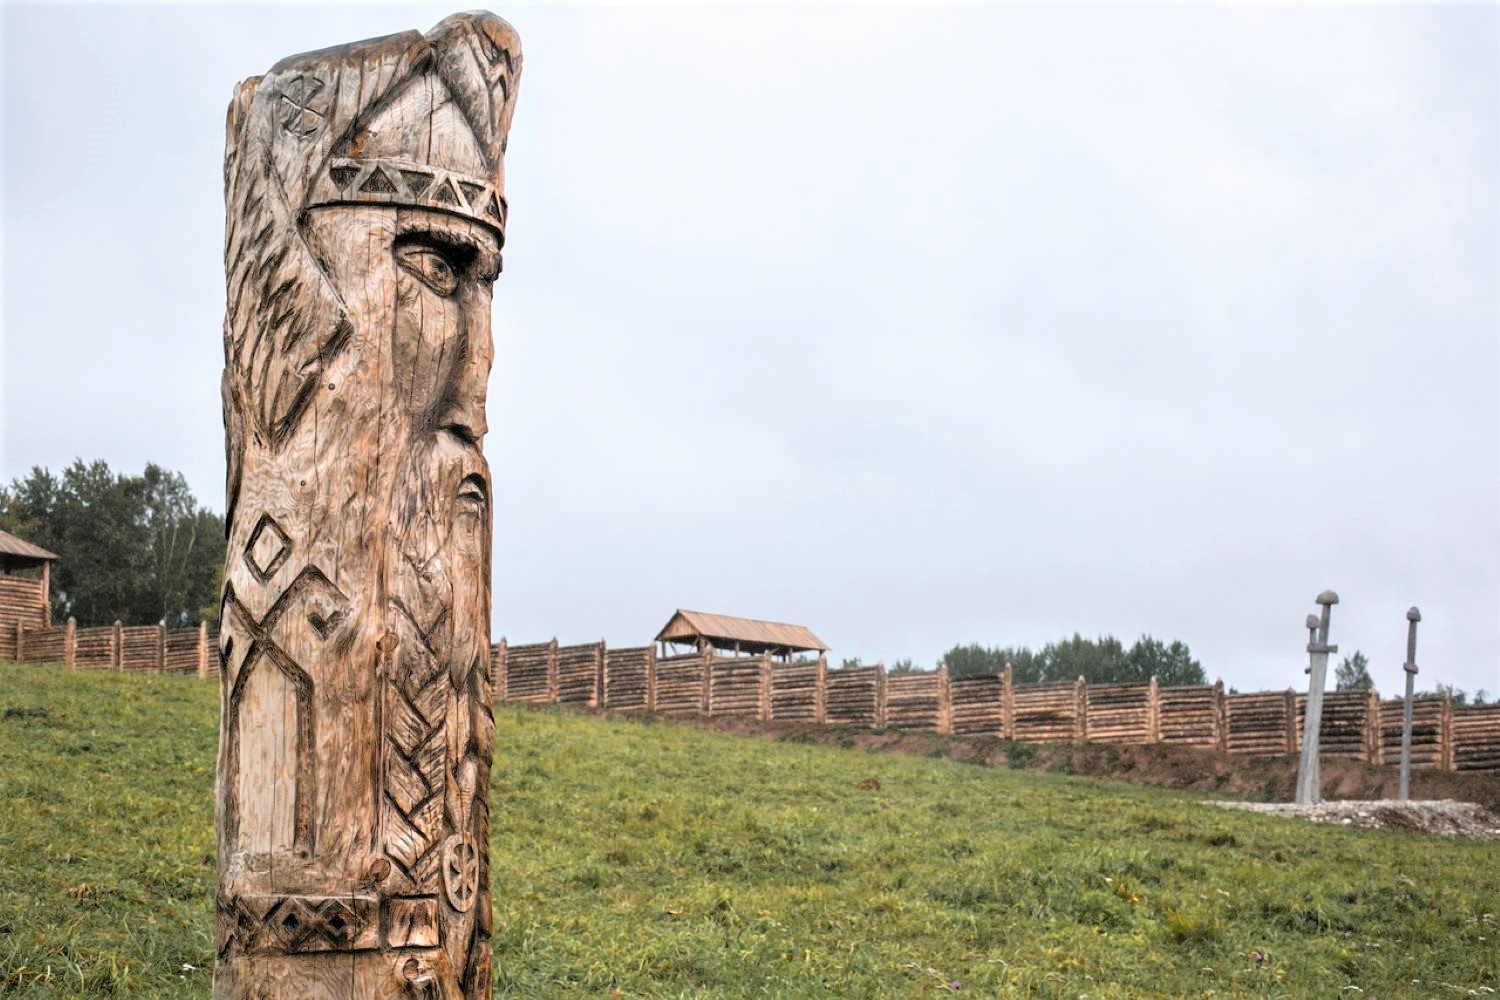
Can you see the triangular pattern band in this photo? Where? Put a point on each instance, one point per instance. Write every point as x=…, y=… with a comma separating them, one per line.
x=389, y=181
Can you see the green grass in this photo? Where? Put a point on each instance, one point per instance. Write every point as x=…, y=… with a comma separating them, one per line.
x=662, y=860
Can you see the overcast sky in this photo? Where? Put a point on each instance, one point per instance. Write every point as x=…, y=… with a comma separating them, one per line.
x=917, y=326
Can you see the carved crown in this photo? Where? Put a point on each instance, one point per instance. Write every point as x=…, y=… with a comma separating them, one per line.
x=406, y=119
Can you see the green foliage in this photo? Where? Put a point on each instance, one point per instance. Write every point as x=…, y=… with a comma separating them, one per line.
x=1104, y=660
x=1458, y=695
x=905, y=665
x=134, y=548
x=1353, y=674
x=657, y=860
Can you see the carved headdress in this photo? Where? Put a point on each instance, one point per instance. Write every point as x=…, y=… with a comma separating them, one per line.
x=407, y=120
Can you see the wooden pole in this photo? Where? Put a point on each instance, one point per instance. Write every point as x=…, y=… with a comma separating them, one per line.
x=601, y=677
x=945, y=700
x=70, y=643
x=364, y=219
x=881, y=705
x=1008, y=704
x=161, y=646
x=47, y=594
x=820, y=691
x=764, y=713
x=651, y=679
x=1153, y=712
x=552, y=686
x=1080, y=710
x=501, y=679
x=1221, y=718
x=1445, y=730
x=1291, y=742
x=118, y=642
x=20, y=642
x=202, y=650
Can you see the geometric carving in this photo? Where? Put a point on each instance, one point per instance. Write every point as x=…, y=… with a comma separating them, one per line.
x=444, y=194
x=471, y=193
x=296, y=924
x=378, y=183
x=303, y=114
x=492, y=210
x=342, y=175
x=410, y=921
x=461, y=871
x=416, y=181
x=267, y=548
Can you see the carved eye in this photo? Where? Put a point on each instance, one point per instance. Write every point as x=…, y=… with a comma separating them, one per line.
x=429, y=265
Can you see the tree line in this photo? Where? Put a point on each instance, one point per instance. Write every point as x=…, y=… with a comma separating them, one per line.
x=1353, y=674
x=133, y=548
x=1104, y=660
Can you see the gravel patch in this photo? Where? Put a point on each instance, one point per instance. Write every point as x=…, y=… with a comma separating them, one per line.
x=1443, y=817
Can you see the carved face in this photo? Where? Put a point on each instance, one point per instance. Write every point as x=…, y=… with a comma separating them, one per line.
x=445, y=267
x=418, y=295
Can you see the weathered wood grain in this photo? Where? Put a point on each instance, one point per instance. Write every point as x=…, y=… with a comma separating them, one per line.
x=364, y=222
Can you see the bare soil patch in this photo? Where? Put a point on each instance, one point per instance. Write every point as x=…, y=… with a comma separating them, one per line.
x=1443, y=817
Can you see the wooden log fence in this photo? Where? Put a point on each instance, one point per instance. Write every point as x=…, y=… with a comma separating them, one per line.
x=116, y=647
x=1358, y=725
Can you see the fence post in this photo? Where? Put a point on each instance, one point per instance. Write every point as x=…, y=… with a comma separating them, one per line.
x=552, y=671
x=945, y=701
x=118, y=641
x=161, y=646
x=1371, y=748
x=1445, y=729
x=1080, y=710
x=601, y=677
x=651, y=678
x=20, y=642
x=1153, y=711
x=820, y=691
x=1221, y=717
x=501, y=666
x=880, y=699
x=202, y=650
x=1007, y=703
x=706, y=696
x=766, y=675
x=1293, y=744
x=70, y=643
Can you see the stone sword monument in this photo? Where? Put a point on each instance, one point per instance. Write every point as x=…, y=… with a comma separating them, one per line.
x=365, y=218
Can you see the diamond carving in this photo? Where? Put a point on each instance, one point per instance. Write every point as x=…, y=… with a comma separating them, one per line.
x=267, y=549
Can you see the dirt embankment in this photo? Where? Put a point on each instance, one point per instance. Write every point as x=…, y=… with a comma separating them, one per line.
x=1258, y=779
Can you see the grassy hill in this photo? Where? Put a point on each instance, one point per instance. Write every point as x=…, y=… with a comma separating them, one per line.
x=649, y=859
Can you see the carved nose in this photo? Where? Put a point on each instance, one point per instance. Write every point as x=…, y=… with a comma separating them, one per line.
x=464, y=413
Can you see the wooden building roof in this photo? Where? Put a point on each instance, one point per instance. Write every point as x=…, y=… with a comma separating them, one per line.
x=17, y=553
x=749, y=633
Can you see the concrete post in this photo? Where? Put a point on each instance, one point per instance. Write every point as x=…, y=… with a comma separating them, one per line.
x=1410, y=667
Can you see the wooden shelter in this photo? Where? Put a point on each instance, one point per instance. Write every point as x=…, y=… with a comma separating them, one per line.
x=737, y=636
x=25, y=584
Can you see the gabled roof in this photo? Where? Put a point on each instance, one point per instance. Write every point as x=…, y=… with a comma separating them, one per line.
x=688, y=625
x=21, y=550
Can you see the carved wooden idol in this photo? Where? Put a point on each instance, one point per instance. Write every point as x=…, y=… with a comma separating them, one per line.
x=363, y=188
